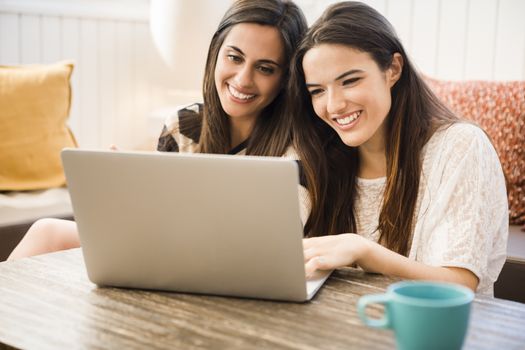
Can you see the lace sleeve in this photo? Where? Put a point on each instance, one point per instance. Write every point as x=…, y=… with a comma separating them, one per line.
x=466, y=220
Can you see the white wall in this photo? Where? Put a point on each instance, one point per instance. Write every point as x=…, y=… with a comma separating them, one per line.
x=120, y=79
x=455, y=39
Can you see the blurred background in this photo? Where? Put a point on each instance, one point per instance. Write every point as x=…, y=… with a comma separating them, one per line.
x=135, y=60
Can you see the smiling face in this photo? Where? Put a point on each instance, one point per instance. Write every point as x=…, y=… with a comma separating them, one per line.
x=249, y=70
x=350, y=92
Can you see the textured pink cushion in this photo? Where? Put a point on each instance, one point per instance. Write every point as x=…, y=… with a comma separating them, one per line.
x=499, y=108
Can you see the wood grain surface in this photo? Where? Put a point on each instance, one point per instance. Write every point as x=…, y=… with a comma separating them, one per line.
x=47, y=302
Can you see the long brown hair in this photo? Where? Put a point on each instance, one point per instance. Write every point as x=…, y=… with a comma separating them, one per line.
x=271, y=132
x=330, y=166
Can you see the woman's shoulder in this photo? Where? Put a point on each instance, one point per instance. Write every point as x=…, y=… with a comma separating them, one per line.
x=459, y=131
x=460, y=144
x=183, y=117
x=181, y=129
x=458, y=138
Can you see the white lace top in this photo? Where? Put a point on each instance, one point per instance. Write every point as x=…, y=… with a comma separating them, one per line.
x=462, y=208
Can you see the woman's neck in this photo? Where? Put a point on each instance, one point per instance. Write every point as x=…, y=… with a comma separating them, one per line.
x=240, y=130
x=372, y=160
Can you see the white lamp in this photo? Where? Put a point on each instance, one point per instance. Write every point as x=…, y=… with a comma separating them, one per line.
x=182, y=30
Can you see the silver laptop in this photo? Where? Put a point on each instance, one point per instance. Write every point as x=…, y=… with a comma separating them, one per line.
x=210, y=224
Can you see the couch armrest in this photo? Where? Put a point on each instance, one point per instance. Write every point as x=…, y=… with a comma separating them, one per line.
x=511, y=282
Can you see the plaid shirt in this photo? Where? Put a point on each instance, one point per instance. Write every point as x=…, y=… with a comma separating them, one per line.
x=182, y=129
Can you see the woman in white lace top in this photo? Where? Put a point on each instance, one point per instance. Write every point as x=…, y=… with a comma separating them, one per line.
x=399, y=184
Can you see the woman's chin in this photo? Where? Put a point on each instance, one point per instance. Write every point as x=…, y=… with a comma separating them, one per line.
x=349, y=140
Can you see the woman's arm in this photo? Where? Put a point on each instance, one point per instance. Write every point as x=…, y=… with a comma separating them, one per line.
x=46, y=236
x=330, y=252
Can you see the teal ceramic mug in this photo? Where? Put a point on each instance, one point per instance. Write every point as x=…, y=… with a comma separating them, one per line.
x=423, y=315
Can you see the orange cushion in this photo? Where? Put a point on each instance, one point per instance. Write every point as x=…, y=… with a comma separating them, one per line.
x=34, y=107
x=499, y=108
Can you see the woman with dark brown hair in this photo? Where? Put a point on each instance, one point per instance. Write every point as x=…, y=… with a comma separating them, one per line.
x=399, y=185
x=243, y=110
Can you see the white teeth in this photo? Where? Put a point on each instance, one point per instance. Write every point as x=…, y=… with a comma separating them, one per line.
x=347, y=120
x=238, y=94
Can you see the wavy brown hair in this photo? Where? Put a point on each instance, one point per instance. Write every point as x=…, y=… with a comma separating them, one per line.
x=330, y=166
x=271, y=133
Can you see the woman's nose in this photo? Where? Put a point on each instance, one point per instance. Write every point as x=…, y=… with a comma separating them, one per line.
x=244, y=77
x=336, y=102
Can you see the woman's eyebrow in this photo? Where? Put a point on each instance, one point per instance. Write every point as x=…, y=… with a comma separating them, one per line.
x=350, y=72
x=235, y=48
x=345, y=74
x=268, y=61
x=312, y=85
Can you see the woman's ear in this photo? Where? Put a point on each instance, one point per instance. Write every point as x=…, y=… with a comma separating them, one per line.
x=395, y=69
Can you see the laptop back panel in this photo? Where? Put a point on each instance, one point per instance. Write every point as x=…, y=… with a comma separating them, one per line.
x=226, y=225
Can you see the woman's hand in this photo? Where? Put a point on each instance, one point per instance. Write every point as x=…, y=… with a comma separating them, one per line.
x=332, y=252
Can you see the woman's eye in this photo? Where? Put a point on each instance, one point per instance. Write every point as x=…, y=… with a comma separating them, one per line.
x=315, y=92
x=266, y=70
x=350, y=81
x=234, y=58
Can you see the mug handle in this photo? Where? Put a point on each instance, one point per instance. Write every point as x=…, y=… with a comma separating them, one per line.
x=364, y=301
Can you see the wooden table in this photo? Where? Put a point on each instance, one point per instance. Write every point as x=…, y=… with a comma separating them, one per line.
x=47, y=302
